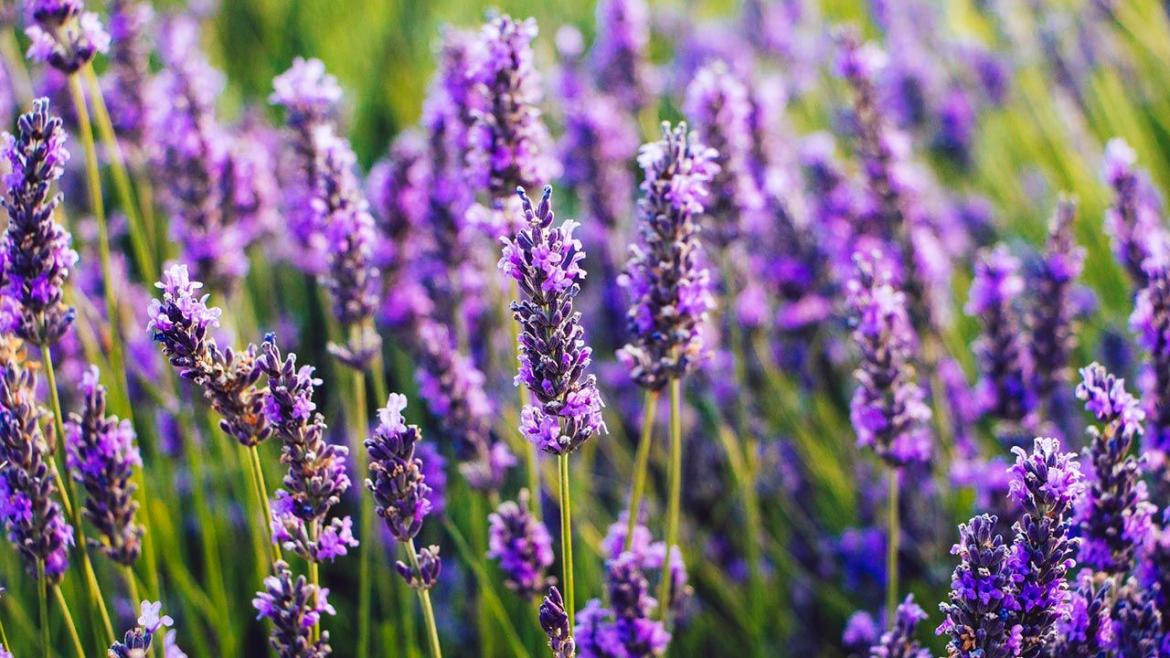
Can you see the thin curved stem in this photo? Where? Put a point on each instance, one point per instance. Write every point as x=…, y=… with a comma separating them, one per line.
x=367, y=516
x=43, y=599
x=487, y=588
x=74, y=636
x=261, y=491
x=893, y=535
x=315, y=577
x=641, y=464
x=424, y=596
x=675, y=493
x=566, y=535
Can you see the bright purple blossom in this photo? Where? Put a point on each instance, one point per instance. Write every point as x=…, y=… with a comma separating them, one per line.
x=1005, y=390
x=137, y=641
x=979, y=607
x=522, y=545
x=294, y=606
x=1150, y=322
x=396, y=475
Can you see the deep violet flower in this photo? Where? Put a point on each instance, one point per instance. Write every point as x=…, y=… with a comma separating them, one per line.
x=181, y=323
x=626, y=628
x=64, y=35
x=1051, y=318
x=1004, y=390
x=545, y=262
x=978, y=607
x=316, y=478
x=101, y=455
x=888, y=410
x=1150, y=322
x=294, y=606
x=619, y=56
x=668, y=286
x=1114, y=516
x=126, y=81
x=1088, y=629
x=137, y=641
x=1133, y=221
x=554, y=620
x=1046, y=483
x=34, y=521
x=522, y=545
x=37, y=252
x=1137, y=622
x=899, y=641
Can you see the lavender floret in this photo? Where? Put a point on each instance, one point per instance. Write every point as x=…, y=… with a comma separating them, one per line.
x=294, y=606
x=522, y=545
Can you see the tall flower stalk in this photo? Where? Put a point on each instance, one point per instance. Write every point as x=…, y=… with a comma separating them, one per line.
x=670, y=294
x=399, y=487
x=545, y=262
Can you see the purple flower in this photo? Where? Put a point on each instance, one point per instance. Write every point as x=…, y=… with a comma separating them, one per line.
x=37, y=252
x=510, y=145
x=668, y=286
x=64, y=35
x=126, y=81
x=980, y=600
x=719, y=108
x=544, y=260
x=1051, y=320
x=522, y=545
x=427, y=574
x=619, y=56
x=181, y=322
x=1150, y=321
x=1137, y=622
x=316, y=478
x=1005, y=390
x=598, y=144
x=294, y=606
x=1046, y=483
x=453, y=389
x=632, y=606
x=899, y=642
x=555, y=622
x=396, y=475
x=888, y=411
x=101, y=456
x=1088, y=629
x=861, y=631
x=1114, y=516
x=1133, y=221
x=35, y=523
x=137, y=641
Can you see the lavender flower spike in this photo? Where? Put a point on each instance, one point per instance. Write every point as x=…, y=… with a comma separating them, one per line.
x=1005, y=390
x=669, y=289
x=888, y=410
x=522, y=545
x=137, y=641
x=980, y=595
x=555, y=622
x=37, y=254
x=545, y=261
x=101, y=455
x=632, y=606
x=294, y=606
x=1150, y=322
x=64, y=35
x=1046, y=483
x=1114, y=515
x=1051, y=319
x=32, y=517
x=899, y=642
x=619, y=58
x=1133, y=220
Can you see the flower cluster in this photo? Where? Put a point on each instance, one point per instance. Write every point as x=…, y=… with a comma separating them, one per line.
x=101, y=456
x=522, y=545
x=1114, y=516
x=888, y=410
x=37, y=252
x=668, y=285
x=35, y=523
x=181, y=323
x=1150, y=322
x=627, y=627
x=1005, y=391
x=980, y=602
x=294, y=606
x=544, y=260
x=64, y=35
x=1088, y=628
x=316, y=478
x=619, y=56
x=554, y=620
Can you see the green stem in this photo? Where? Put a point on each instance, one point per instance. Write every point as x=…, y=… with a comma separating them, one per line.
x=43, y=598
x=261, y=490
x=641, y=463
x=74, y=511
x=4, y=643
x=367, y=517
x=675, y=493
x=424, y=596
x=315, y=578
x=69, y=625
x=566, y=535
x=486, y=587
x=893, y=532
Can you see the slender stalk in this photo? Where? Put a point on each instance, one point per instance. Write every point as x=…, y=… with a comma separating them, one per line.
x=4, y=643
x=43, y=598
x=641, y=463
x=121, y=178
x=74, y=511
x=131, y=584
x=893, y=532
x=69, y=625
x=315, y=578
x=675, y=493
x=367, y=516
x=566, y=535
x=424, y=596
x=261, y=490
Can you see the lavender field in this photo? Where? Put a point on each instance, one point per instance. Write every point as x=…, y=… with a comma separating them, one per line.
x=614, y=329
